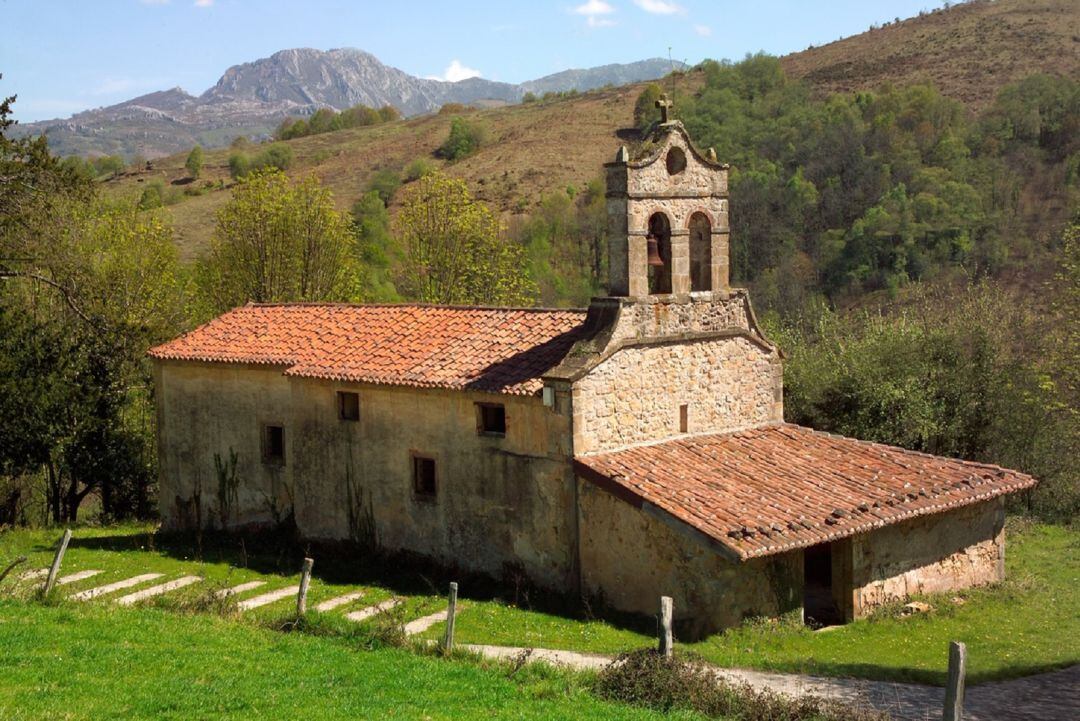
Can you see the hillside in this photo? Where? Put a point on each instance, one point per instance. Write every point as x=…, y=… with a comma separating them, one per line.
x=968, y=50
x=537, y=148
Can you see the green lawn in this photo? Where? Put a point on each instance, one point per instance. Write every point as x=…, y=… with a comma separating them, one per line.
x=91, y=661
x=1029, y=624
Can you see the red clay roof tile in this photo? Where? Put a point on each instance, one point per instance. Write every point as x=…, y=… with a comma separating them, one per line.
x=500, y=350
x=776, y=488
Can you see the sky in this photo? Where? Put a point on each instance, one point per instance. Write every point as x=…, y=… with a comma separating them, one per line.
x=63, y=56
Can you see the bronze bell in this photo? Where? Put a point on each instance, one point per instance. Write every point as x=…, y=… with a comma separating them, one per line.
x=653, y=247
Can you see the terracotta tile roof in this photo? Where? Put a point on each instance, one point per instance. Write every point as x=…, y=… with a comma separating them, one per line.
x=501, y=350
x=775, y=488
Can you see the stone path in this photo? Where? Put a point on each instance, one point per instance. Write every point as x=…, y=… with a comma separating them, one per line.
x=365, y=613
x=333, y=603
x=158, y=590
x=119, y=585
x=226, y=592
x=267, y=598
x=1053, y=696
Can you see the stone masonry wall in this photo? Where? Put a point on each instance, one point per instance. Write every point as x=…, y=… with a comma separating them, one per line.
x=635, y=395
x=930, y=554
x=630, y=559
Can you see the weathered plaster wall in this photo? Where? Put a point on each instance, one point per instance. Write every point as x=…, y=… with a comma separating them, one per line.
x=499, y=500
x=929, y=554
x=206, y=409
x=630, y=558
x=635, y=395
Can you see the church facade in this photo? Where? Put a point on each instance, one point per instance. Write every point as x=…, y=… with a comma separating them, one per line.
x=628, y=451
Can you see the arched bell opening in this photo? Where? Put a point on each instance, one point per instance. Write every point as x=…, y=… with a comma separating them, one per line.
x=700, y=252
x=659, y=254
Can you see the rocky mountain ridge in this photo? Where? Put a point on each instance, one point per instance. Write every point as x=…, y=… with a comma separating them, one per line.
x=252, y=98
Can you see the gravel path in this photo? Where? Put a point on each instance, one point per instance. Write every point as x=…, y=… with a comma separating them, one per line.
x=1053, y=696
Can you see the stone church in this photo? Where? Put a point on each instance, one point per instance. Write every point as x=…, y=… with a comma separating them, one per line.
x=627, y=451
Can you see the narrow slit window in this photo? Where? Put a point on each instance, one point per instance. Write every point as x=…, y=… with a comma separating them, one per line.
x=491, y=419
x=273, y=444
x=424, y=477
x=684, y=418
x=348, y=406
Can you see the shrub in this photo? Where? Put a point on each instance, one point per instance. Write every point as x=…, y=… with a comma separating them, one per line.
x=646, y=678
x=418, y=169
x=453, y=109
x=385, y=182
x=529, y=97
x=239, y=165
x=465, y=138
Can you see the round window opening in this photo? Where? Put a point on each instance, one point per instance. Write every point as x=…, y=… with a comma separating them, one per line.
x=676, y=161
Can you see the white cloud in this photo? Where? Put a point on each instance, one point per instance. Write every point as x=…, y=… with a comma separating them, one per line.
x=594, y=12
x=659, y=7
x=703, y=30
x=203, y=3
x=456, y=71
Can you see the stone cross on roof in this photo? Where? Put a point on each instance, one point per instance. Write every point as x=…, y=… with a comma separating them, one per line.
x=665, y=106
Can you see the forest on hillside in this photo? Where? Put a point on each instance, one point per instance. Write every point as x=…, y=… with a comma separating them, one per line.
x=919, y=265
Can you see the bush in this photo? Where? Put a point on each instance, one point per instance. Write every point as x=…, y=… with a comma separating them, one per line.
x=385, y=183
x=418, y=169
x=529, y=97
x=646, y=678
x=465, y=138
x=453, y=109
x=276, y=156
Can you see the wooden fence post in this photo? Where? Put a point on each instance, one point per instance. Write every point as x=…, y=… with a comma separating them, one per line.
x=451, y=610
x=305, y=581
x=54, y=569
x=954, y=688
x=666, y=639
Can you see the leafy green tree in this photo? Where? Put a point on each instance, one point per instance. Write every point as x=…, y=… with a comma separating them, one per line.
x=278, y=241
x=465, y=138
x=194, y=162
x=453, y=252
x=376, y=250
x=645, y=112
x=388, y=114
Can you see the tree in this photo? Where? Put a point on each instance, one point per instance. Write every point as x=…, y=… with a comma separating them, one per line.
x=194, y=162
x=385, y=183
x=375, y=248
x=278, y=241
x=645, y=106
x=453, y=252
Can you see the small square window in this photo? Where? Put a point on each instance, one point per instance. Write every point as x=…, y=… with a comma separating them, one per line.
x=273, y=444
x=491, y=419
x=348, y=406
x=424, y=476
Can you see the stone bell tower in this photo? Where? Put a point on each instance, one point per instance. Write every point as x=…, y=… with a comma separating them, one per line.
x=667, y=218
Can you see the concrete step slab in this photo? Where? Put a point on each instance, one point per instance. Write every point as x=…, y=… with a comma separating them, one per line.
x=158, y=590
x=241, y=588
x=365, y=613
x=424, y=623
x=267, y=598
x=331, y=604
x=119, y=585
x=72, y=578
x=34, y=574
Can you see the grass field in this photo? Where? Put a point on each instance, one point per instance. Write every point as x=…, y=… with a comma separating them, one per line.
x=94, y=662
x=1029, y=624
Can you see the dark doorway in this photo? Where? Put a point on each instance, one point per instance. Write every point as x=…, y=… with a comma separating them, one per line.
x=819, y=603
